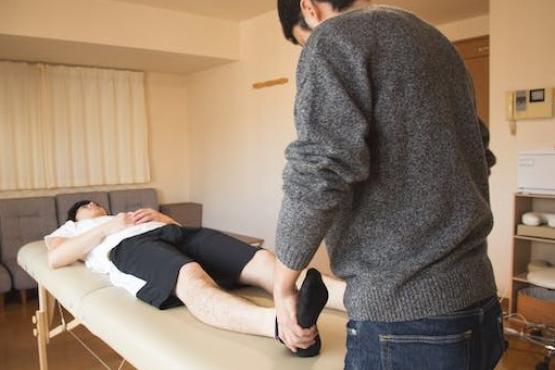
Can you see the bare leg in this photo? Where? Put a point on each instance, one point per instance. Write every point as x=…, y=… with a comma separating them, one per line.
x=260, y=272
x=215, y=307
x=336, y=290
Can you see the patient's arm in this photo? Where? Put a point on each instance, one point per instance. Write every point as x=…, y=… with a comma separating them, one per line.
x=65, y=251
x=147, y=215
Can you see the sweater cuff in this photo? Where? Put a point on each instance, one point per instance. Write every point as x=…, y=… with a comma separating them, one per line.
x=300, y=232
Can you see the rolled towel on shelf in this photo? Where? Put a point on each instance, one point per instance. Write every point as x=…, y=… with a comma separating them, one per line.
x=538, y=218
x=537, y=265
x=544, y=278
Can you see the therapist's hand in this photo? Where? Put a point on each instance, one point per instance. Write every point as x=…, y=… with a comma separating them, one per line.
x=285, y=300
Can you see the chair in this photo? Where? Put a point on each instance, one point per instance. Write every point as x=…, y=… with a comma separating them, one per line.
x=22, y=221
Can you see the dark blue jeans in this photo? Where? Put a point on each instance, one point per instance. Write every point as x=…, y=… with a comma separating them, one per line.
x=471, y=339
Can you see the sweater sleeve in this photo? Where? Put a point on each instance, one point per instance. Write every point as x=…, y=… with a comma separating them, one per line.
x=490, y=157
x=332, y=109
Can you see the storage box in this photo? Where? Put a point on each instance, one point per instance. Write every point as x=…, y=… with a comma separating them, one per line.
x=536, y=173
x=534, y=309
x=544, y=232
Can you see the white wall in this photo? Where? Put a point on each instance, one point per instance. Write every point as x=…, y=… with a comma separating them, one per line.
x=239, y=134
x=522, y=56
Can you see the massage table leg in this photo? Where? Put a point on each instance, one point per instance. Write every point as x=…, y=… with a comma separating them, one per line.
x=42, y=322
x=23, y=296
x=44, y=329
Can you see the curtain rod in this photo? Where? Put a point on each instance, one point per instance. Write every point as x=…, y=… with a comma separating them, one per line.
x=71, y=65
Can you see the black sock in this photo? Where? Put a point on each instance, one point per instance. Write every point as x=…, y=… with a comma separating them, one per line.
x=313, y=296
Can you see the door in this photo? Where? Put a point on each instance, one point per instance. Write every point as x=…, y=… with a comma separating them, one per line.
x=475, y=53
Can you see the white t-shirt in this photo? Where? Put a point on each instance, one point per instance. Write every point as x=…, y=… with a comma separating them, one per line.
x=98, y=258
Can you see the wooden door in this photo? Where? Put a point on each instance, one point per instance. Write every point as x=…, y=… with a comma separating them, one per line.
x=475, y=53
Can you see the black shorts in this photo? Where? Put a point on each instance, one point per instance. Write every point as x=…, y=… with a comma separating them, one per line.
x=157, y=256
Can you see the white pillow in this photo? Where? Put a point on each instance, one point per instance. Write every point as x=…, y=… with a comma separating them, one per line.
x=544, y=278
x=537, y=265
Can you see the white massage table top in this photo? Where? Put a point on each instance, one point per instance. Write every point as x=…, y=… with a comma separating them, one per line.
x=173, y=339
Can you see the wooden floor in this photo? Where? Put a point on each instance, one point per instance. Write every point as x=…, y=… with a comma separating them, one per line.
x=18, y=349
x=18, y=346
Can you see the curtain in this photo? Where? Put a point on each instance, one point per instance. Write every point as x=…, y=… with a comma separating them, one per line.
x=71, y=126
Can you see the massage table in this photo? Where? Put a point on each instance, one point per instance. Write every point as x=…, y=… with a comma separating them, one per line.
x=150, y=339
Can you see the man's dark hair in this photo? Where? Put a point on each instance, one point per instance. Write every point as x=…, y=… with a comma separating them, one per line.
x=72, y=213
x=290, y=14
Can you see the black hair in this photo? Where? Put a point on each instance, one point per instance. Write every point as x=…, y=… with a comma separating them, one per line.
x=72, y=213
x=290, y=14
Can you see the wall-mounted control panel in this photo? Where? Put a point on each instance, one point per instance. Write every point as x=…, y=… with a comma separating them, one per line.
x=530, y=104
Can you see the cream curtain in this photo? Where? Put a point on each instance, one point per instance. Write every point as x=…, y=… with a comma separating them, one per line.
x=71, y=126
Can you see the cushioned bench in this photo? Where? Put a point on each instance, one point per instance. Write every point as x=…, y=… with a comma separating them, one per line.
x=150, y=339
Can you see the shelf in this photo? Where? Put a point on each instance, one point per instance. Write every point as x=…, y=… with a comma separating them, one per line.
x=522, y=278
x=523, y=245
x=533, y=239
x=528, y=195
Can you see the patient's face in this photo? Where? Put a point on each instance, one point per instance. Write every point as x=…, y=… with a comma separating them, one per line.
x=90, y=210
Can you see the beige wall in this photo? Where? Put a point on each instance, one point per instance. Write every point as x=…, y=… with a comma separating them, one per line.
x=522, y=56
x=169, y=148
x=466, y=29
x=238, y=134
x=169, y=136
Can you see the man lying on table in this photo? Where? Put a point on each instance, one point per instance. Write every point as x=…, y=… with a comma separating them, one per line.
x=165, y=265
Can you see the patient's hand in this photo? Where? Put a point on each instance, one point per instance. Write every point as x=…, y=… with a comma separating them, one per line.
x=120, y=222
x=147, y=215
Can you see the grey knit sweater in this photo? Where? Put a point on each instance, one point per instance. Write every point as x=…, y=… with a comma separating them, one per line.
x=390, y=167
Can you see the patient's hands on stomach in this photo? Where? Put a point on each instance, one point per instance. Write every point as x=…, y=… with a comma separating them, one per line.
x=147, y=215
x=120, y=222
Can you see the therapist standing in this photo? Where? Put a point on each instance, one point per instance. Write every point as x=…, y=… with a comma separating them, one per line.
x=391, y=167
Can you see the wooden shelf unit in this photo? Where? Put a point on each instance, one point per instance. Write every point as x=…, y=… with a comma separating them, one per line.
x=533, y=239
x=523, y=245
x=522, y=278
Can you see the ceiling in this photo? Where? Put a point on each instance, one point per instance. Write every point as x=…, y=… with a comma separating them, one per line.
x=434, y=11
x=442, y=11
x=236, y=10
x=21, y=48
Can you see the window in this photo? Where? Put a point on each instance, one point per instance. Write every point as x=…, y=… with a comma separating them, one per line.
x=71, y=126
